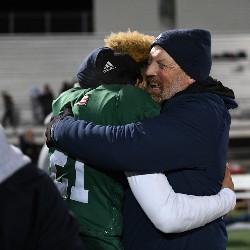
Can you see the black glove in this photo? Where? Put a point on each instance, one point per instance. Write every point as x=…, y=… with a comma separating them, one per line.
x=54, y=119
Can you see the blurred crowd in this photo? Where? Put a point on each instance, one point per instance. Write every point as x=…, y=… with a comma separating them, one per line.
x=40, y=101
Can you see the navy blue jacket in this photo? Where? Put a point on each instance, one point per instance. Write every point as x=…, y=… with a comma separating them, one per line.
x=188, y=141
x=33, y=215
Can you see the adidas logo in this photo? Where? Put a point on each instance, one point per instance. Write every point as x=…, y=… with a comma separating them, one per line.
x=158, y=37
x=108, y=66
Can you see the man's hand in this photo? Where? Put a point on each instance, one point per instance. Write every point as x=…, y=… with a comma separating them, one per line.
x=54, y=119
x=228, y=182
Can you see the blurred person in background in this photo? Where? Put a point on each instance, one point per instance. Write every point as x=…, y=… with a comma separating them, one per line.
x=46, y=99
x=65, y=86
x=36, y=106
x=28, y=144
x=43, y=158
x=33, y=215
x=10, y=114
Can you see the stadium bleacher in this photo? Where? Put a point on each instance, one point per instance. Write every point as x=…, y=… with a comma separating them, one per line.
x=29, y=61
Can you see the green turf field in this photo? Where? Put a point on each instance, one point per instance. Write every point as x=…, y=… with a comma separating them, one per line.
x=239, y=240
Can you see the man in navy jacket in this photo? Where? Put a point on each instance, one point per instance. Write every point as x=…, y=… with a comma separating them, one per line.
x=188, y=141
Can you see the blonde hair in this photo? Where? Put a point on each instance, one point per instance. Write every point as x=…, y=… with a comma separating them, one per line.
x=136, y=44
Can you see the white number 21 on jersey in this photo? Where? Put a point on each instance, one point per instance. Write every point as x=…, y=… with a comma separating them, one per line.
x=78, y=193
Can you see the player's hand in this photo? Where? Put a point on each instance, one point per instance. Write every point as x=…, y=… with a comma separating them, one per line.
x=228, y=182
x=53, y=120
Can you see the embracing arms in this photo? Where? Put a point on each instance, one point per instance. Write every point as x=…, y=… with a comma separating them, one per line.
x=172, y=212
x=162, y=205
x=113, y=146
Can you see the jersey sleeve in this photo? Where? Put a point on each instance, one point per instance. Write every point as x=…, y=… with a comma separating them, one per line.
x=172, y=212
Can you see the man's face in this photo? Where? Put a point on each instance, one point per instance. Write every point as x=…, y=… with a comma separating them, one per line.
x=164, y=76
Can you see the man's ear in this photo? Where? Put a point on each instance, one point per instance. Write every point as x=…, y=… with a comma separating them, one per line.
x=190, y=80
x=139, y=80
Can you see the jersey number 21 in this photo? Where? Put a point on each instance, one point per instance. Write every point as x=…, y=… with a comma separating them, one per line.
x=77, y=193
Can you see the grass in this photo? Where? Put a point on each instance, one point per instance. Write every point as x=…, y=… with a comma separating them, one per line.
x=239, y=240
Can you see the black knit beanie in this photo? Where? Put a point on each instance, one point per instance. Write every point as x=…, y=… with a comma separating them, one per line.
x=190, y=48
x=104, y=66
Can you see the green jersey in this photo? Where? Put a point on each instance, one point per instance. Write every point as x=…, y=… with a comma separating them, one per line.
x=95, y=196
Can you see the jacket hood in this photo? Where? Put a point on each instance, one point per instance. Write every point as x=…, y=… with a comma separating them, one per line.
x=213, y=86
x=12, y=158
